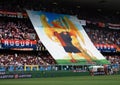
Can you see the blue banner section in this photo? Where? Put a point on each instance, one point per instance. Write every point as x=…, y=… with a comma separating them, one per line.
x=106, y=47
x=18, y=44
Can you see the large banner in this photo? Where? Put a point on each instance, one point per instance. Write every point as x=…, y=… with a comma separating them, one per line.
x=65, y=38
x=6, y=43
x=106, y=47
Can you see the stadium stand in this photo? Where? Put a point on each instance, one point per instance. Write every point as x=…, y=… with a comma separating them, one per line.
x=15, y=25
x=104, y=39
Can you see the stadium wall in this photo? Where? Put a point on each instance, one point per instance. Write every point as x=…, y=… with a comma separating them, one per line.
x=44, y=74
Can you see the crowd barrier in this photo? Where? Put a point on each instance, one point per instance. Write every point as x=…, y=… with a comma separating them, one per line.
x=38, y=71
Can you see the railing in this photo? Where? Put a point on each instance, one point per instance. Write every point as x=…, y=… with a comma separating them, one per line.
x=43, y=67
x=49, y=67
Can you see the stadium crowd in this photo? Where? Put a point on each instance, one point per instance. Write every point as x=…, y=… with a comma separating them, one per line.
x=17, y=29
x=103, y=36
x=26, y=59
x=113, y=59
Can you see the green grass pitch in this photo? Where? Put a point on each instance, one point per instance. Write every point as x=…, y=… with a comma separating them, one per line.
x=73, y=80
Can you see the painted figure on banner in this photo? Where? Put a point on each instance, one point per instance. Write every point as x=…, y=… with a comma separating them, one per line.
x=63, y=31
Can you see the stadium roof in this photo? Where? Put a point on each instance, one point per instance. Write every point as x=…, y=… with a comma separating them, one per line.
x=106, y=5
x=84, y=5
